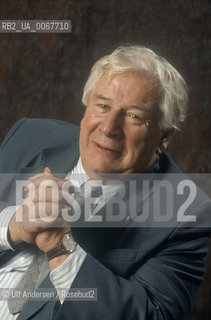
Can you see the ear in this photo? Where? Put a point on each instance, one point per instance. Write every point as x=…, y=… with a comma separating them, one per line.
x=164, y=141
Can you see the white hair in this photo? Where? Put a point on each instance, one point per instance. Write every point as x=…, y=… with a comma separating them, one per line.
x=140, y=59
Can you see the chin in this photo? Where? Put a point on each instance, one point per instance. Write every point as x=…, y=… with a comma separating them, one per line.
x=104, y=169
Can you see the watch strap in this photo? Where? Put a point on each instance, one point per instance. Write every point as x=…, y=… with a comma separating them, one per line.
x=57, y=251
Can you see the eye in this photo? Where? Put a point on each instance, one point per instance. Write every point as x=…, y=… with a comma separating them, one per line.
x=133, y=116
x=103, y=106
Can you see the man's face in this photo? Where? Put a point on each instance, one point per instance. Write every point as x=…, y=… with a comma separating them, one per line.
x=113, y=139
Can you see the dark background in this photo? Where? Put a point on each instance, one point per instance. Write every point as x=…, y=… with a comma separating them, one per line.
x=42, y=75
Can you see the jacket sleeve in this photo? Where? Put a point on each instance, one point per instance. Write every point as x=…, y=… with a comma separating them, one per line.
x=6, y=162
x=12, y=131
x=161, y=287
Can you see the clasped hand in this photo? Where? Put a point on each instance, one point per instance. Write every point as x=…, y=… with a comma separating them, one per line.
x=39, y=219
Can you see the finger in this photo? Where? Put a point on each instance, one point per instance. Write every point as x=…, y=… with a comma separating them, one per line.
x=64, y=186
x=41, y=225
x=37, y=217
x=46, y=180
x=36, y=176
x=32, y=179
x=46, y=194
x=39, y=210
x=47, y=171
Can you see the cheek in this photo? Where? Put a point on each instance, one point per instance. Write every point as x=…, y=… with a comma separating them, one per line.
x=88, y=125
x=89, y=121
x=83, y=134
x=142, y=142
x=136, y=140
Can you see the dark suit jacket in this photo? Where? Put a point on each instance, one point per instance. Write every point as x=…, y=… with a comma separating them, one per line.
x=140, y=272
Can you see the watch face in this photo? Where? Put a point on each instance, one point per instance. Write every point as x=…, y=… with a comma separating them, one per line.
x=69, y=242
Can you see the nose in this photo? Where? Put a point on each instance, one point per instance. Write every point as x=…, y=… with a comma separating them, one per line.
x=112, y=125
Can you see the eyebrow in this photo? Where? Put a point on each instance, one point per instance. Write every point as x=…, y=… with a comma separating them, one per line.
x=102, y=97
x=142, y=108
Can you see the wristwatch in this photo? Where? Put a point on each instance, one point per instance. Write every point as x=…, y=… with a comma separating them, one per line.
x=68, y=245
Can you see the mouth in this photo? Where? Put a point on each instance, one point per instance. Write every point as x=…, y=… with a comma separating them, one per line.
x=108, y=151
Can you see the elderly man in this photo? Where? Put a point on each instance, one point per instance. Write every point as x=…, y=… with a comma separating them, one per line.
x=134, y=101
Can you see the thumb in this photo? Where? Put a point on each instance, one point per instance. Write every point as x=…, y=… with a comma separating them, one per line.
x=47, y=171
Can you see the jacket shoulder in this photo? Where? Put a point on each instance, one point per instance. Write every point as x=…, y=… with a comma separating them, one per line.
x=41, y=131
x=28, y=137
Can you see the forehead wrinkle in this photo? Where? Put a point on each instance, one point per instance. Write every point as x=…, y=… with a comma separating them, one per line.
x=146, y=90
